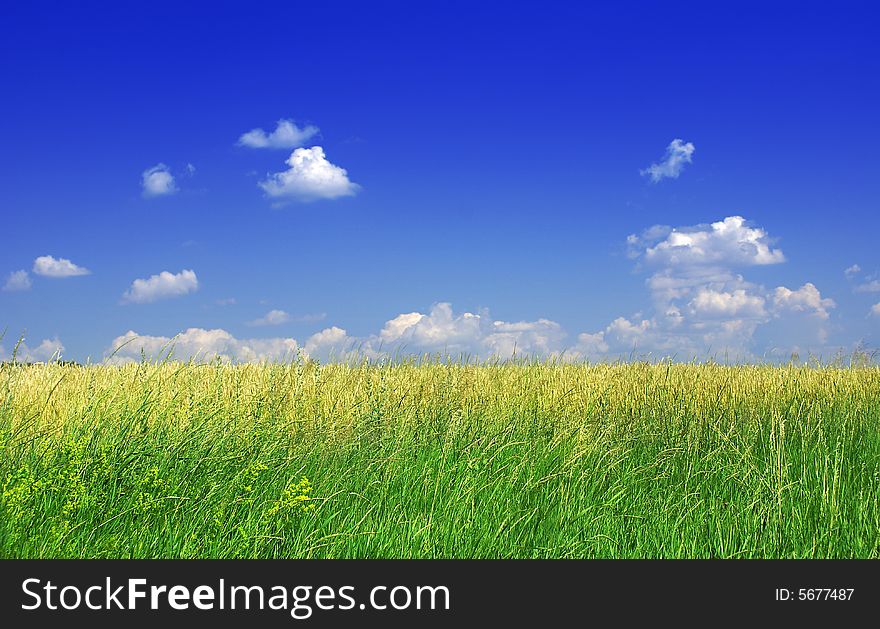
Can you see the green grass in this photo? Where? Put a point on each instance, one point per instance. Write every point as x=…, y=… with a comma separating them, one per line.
x=439, y=460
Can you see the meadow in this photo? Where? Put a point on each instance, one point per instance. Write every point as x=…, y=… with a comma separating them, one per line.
x=439, y=459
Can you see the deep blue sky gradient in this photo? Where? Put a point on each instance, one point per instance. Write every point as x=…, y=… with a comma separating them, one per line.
x=498, y=147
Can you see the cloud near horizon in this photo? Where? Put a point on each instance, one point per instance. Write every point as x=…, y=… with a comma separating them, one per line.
x=701, y=303
x=199, y=344
x=439, y=330
x=47, y=350
x=699, y=307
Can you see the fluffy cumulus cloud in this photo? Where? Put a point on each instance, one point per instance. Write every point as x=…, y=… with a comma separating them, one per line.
x=285, y=136
x=441, y=330
x=333, y=343
x=310, y=177
x=158, y=181
x=273, y=317
x=727, y=243
x=17, y=281
x=678, y=153
x=590, y=344
x=530, y=338
x=47, y=350
x=619, y=337
x=738, y=303
x=161, y=286
x=438, y=331
x=805, y=299
x=395, y=328
x=199, y=344
x=47, y=266
x=701, y=303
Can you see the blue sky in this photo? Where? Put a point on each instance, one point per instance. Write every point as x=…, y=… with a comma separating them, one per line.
x=483, y=179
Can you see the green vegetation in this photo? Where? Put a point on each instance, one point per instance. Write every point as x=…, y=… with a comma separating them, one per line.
x=439, y=460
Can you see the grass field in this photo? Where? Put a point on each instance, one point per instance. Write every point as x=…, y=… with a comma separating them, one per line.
x=439, y=460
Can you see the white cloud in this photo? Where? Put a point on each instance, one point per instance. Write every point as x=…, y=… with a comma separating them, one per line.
x=805, y=299
x=273, y=317
x=669, y=284
x=701, y=308
x=439, y=331
x=476, y=334
x=871, y=286
x=875, y=310
x=542, y=337
x=627, y=331
x=158, y=181
x=334, y=343
x=200, y=344
x=701, y=305
x=677, y=155
x=309, y=177
x=736, y=304
x=700, y=302
x=590, y=344
x=285, y=136
x=48, y=266
x=47, y=350
x=161, y=286
x=17, y=281
x=681, y=336
x=620, y=338
x=715, y=322
x=719, y=319
x=730, y=243
x=395, y=328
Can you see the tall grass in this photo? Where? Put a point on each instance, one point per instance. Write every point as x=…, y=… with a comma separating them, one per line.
x=439, y=460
